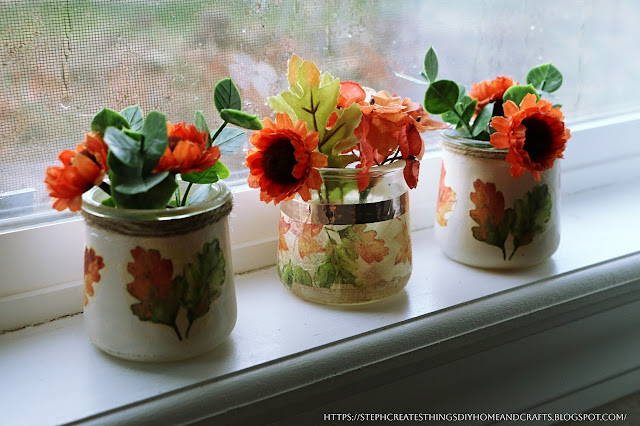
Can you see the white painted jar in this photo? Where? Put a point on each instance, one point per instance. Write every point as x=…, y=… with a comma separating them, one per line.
x=487, y=218
x=158, y=283
x=344, y=246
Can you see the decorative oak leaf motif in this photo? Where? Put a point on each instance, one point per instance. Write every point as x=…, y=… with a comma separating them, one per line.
x=306, y=233
x=154, y=287
x=490, y=214
x=283, y=229
x=365, y=243
x=202, y=281
x=531, y=213
x=446, y=199
x=404, y=253
x=92, y=266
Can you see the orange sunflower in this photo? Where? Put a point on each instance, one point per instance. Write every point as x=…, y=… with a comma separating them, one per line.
x=534, y=133
x=285, y=161
x=490, y=91
x=187, y=150
x=81, y=170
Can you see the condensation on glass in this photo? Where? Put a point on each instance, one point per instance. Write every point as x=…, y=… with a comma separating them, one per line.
x=62, y=61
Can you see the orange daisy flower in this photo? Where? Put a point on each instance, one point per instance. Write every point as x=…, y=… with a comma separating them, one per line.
x=490, y=91
x=284, y=162
x=81, y=170
x=187, y=150
x=534, y=134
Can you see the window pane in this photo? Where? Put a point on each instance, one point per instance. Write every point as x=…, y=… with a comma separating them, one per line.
x=61, y=61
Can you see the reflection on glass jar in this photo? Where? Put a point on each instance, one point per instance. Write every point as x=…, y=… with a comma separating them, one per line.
x=345, y=246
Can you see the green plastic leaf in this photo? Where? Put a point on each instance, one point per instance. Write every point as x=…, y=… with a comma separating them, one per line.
x=463, y=92
x=126, y=149
x=301, y=276
x=156, y=197
x=108, y=202
x=134, y=116
x=212, y=174
x=230, y=140
x=154, y=131
x=340, y=137
x=482, y=120
x=450, y=117
x=431, y=64
x=200, y=195
x=312, y=99
x=118, y=167
x=108, y=118
x=136, y=184
x=545, y=77
x=412, y=79
x=531, y=213
x=226, y=95
x=202, y=281
x=441, y=96
x=201, y=124
x=469, y=110
x=241, y=119
x=326, y=275
x=517, y=93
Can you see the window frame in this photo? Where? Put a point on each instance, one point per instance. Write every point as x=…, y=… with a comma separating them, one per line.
x=44, y=261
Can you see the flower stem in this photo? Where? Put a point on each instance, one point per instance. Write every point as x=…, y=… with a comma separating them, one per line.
x=215, y=135
x=184, y=199
x=105, y=187
x=175, y=328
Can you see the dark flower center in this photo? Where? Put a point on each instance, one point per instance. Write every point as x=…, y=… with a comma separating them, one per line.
x=538, y=138
x=278, y=162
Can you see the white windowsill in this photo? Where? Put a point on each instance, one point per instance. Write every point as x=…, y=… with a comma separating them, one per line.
x=288, y=357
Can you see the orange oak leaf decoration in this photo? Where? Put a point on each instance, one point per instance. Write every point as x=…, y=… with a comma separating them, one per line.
x=284, y=228
x=490, y=214
x=306, y=233
x=404, y=254
x=367, y=246
x=92, y=266
x=446, y=199
x=153, y=285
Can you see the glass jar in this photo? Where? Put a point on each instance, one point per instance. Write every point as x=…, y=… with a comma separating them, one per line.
x=345, y=246
x=487, y=218
x=158, y=283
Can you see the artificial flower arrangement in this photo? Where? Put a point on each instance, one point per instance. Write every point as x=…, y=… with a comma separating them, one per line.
x=158, y=282
x=143, y=156
x=335, y=145
x=504, y=113
x=498, y=120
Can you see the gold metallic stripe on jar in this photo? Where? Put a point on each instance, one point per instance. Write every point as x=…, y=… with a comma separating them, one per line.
x=346, y=214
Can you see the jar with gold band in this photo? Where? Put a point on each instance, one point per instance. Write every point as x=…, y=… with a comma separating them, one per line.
x=345, y=246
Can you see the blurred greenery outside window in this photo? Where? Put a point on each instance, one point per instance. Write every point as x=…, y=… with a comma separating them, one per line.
x=62, y=61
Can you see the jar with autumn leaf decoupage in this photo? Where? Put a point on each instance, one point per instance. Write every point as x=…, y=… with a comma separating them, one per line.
x=344, y=246
x=488, y=218
x=159, y=283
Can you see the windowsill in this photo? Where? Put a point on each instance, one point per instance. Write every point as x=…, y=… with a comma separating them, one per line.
x=447, y=312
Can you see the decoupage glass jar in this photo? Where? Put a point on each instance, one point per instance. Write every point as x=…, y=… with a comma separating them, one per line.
x=345, y=246
x=158, y=283
x=487, y=218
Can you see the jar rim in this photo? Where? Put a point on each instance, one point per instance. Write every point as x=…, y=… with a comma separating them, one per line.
x=92, y=204
x=374, y=171
x=453, y=142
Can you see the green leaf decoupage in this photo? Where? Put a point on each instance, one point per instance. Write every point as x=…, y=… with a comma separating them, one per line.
x=531, y=213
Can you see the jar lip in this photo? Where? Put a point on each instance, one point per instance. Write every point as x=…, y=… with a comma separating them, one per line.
x=92, y=204
x=373, y=171
x=454, y=142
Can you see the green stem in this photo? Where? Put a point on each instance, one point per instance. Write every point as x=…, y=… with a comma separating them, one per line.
x=184, y=199
x=175, y=328
x=215, y=135
x=105, y=187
